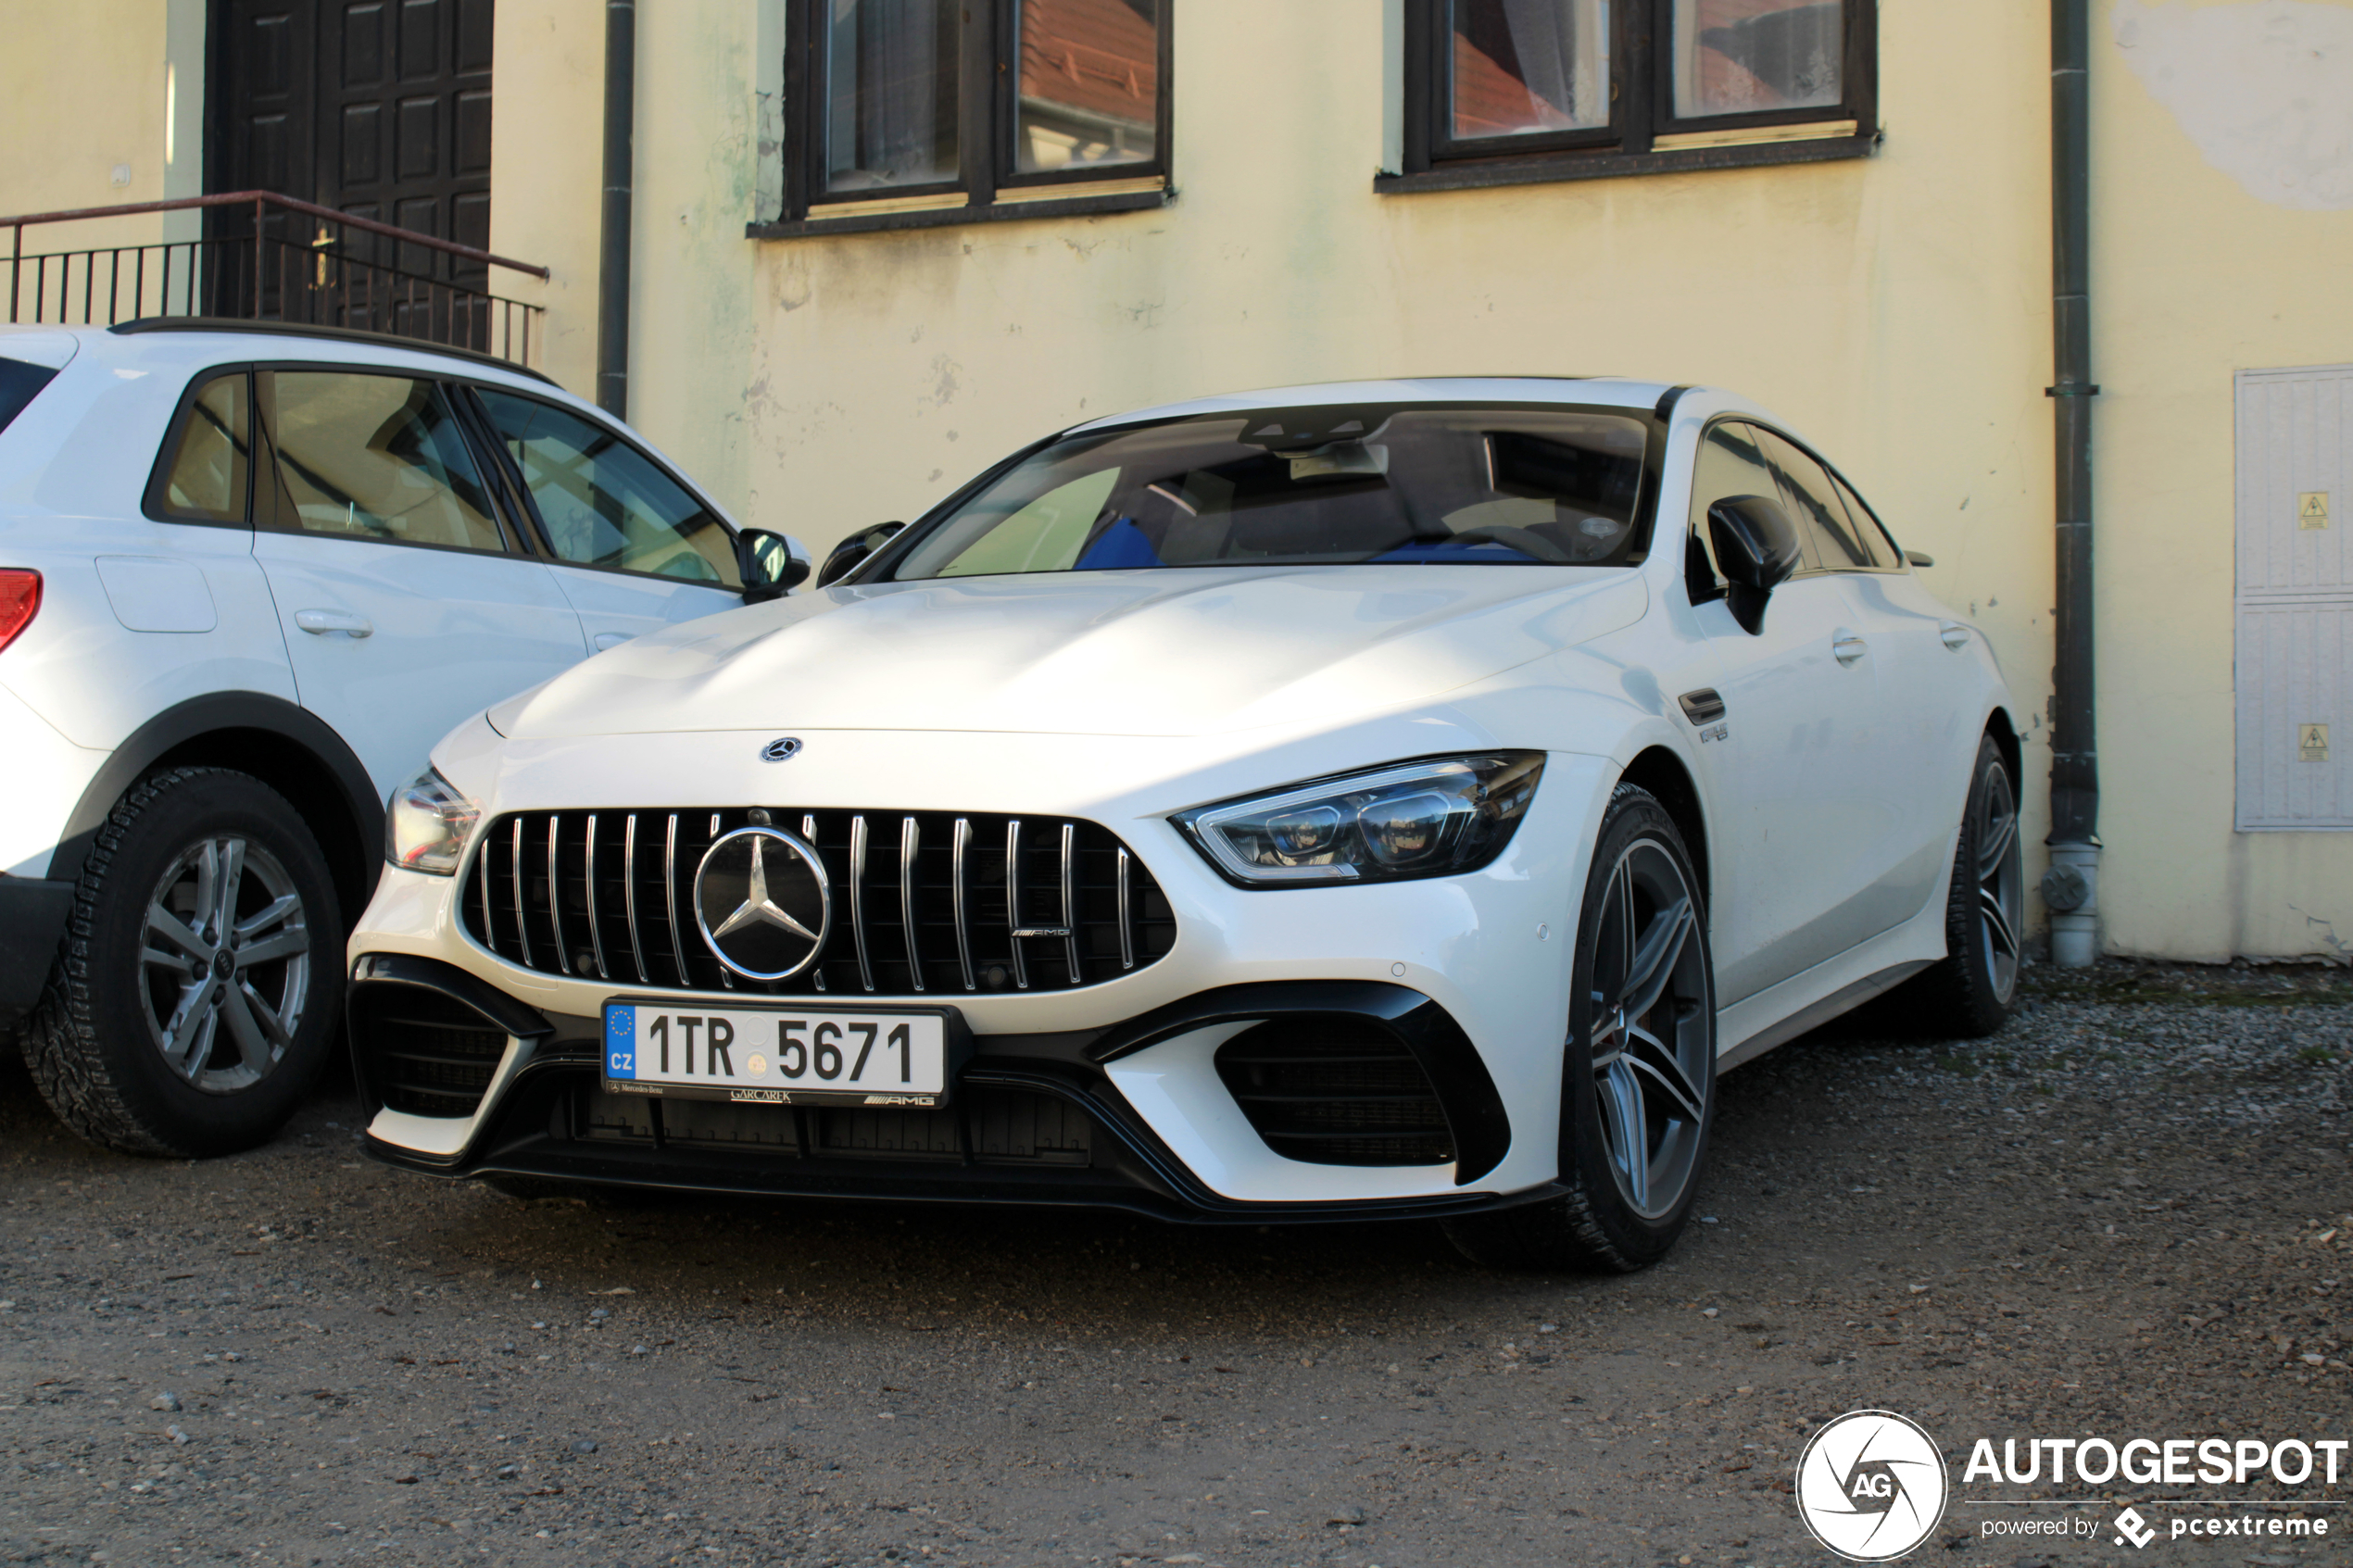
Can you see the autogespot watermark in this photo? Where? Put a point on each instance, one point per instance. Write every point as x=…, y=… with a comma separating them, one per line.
x=1871, y=1486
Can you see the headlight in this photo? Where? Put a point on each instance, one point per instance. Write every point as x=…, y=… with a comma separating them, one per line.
x=1432, y=818
x=426, y=828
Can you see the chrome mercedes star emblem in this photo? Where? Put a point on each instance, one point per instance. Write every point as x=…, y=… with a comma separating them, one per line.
x=780, y=749
x=762, y=902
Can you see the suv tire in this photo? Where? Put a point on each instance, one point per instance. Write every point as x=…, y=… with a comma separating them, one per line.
x=198, y=988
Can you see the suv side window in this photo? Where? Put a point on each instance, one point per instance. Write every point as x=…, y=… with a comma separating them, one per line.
x=1832, y=545
x=1731, y=462
x=205, y=481
x=602, y=502
x=363, y=456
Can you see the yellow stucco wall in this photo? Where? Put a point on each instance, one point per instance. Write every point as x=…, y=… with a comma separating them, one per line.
x=1895, y=309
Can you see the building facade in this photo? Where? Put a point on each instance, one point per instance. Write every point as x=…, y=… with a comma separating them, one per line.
x=876, y=244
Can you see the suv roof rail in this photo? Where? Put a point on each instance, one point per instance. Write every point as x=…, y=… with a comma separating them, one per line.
x=338, y=334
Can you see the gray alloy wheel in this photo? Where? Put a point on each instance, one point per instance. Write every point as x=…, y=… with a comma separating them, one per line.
x=1652, y=1060
x=1638, y=1065
x=225, y=969
x=1969, y=994
x=2001, y=877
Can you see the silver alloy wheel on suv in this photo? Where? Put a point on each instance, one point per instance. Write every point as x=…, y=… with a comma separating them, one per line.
x=225, y=971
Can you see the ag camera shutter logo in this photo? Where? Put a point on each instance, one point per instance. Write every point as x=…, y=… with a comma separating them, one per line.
x=1871, y=1485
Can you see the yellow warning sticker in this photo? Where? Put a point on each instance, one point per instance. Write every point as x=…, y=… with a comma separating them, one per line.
x=2312, y=509
x=2313, y=742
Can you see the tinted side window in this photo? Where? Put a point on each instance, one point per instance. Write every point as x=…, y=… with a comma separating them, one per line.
x=604, y=502
x=1831, y=543
x=1868, y=529
x=19, y=383
x=1731, y=462
x=372, y=456
x=205, y=478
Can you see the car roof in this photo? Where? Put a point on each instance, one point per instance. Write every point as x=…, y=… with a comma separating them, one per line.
x=1609, y=392
x=279, y=331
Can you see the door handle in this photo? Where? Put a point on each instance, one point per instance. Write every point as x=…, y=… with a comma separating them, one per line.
x=608, y=640
x=1849, y=647
x=1956, y=635
x=319, y=623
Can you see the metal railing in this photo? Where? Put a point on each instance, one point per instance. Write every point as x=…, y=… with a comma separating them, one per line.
x=351, y=272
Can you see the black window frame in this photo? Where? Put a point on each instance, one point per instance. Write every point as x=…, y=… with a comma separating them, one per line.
x=1641, y=90
x=988, y=85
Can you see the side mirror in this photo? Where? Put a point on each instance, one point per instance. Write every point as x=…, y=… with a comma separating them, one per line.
x=854, y=549
x=770, y=564
x=1755, y=549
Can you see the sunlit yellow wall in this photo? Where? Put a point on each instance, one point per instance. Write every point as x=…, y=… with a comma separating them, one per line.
x=547, y=169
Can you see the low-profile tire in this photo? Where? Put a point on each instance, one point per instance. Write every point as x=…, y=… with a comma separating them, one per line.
x=198, y=988
x=1638, y=1073
x=1972, y=991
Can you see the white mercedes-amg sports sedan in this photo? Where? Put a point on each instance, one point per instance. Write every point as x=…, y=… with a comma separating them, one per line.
x=1385, y=799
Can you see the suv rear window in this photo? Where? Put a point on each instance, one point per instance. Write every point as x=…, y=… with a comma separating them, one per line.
x=19, y=384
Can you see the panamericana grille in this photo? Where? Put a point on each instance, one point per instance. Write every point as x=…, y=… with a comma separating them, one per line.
x=1335, y=1091
x=923, y=902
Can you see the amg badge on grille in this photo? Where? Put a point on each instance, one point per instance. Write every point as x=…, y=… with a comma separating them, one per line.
x=762, y=903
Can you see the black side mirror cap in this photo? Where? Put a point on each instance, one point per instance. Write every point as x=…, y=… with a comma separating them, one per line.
x=850, y=552
x=1755, y=549
x=771, y=564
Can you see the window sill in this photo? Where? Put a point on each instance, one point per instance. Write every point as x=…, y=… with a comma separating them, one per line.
x=1558, y=167
x=1002, y=210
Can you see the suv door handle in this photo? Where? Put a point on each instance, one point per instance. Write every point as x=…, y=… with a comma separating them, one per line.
x=319, y=623
x=1849, y=647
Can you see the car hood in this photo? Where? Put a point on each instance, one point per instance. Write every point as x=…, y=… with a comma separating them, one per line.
x=1186, y=652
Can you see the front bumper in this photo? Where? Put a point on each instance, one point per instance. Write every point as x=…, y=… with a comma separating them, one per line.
x=1035, y=1119
x=32, y=920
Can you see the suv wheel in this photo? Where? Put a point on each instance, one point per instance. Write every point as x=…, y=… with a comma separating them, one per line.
x=197, y=990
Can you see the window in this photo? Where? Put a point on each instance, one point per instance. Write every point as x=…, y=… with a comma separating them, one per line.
x=1499, y=91
x=1318, y=486
x=1835, y=539
x=371, y=457
x=951, y=109
x=205, y=481
x=1731, y=462
x=602, y=502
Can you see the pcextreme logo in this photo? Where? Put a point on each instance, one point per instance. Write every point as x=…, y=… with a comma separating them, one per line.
x=1871, y=1485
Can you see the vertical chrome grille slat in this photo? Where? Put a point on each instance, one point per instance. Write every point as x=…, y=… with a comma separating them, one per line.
x=857, y=897
x=1126, y=926
x=1070, y=900
x=596, y=937
x=1012, y=901
x=726, y=975
x=909, y=839
x=964, y=838
x=556, y=895
x=629, y=897
x=514, y=869
x=809, y=836
x=670, y=901
x=1094, y=880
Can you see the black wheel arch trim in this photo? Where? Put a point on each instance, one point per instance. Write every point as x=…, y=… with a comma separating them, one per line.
x=1465, y=1090
x=214, y=714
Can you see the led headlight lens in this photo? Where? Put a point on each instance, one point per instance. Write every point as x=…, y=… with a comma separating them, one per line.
x=426, y=828
x=1432, y=818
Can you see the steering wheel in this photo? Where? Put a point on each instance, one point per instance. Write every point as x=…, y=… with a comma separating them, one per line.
x=1526, y=541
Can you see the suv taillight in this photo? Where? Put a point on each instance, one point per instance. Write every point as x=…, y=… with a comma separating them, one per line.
x=19, y=602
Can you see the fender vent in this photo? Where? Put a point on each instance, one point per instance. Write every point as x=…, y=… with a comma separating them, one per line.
x=1336, y=1091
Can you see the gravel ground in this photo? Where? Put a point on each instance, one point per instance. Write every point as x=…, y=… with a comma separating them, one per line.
x=2131, y=1213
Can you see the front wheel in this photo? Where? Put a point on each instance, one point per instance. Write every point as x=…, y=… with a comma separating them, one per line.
x=1638, y=1073
x=197, y=991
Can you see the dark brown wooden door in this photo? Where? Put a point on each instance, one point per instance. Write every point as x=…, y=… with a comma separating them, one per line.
x=379, y=109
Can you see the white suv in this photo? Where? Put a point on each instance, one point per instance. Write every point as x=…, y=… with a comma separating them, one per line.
x=248, y=575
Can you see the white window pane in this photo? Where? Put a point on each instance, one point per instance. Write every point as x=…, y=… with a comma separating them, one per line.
x=890, y=93
x=1743, y=57
x=1089, y=83
x=1522, y=67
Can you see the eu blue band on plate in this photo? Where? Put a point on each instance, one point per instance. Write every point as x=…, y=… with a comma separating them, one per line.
x=621, y=1041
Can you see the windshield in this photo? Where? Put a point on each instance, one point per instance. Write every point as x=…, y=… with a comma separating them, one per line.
x=1310, y=487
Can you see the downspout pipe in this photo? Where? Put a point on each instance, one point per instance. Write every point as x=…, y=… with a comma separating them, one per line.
x=613, y=247
x=2071, y=889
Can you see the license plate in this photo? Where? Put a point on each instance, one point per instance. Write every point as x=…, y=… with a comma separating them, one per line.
x=780, y=1056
